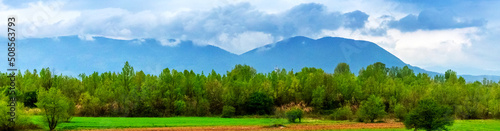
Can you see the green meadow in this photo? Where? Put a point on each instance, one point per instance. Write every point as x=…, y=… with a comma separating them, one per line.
x=143, y=122
x=139, y=122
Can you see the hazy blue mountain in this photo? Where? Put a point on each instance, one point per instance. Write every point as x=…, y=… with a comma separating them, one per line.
x=70, y=55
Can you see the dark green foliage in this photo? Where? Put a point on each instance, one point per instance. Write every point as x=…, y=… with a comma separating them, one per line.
x=180, y=107
x=293, y=114
x=30, y=99
x=429, y=115
x=342, y=68
x=372, y=109
x=203, y=108
x=259, y=103
x=228, y=111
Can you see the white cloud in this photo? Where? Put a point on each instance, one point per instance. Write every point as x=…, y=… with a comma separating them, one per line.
x=168, y=42
x=424, y=48
x=243, y=42
x=242, y=25
x=86, y=37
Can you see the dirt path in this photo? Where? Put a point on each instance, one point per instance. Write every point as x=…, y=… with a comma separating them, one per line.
x=289, y=127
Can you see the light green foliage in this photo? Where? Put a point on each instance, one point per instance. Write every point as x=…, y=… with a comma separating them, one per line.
x=318, y=95
x=21, y=120
x=90, y=105
x=343, y=113
x=345, y=81
x=54, y=106
x=372, y=109
x=400, y=112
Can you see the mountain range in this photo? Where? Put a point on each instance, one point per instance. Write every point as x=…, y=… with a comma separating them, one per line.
x=70, y=55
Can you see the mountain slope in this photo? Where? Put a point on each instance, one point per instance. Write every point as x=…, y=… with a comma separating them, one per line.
x=70, y=55
x=325, y=53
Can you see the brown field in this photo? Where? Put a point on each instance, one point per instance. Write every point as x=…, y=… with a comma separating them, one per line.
x=289, y=127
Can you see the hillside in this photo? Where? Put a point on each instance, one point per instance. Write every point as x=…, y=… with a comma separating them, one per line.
x=70, y=55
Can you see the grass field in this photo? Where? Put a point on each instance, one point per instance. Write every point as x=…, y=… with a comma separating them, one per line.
x=138, y=122
x=144, y=122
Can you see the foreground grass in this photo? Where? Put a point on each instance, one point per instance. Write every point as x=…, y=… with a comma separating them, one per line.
x=138, y=122
x=141, y=122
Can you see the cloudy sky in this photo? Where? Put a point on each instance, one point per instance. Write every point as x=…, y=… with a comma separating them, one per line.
x=434, y=35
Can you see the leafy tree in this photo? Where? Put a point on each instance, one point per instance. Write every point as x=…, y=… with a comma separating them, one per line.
x=131, y=93
x=400, y=112
x=54, y=106
x=318, y=98
x=372, y=108
x=180, y=107
x=46, y=78
x=259, y=103
x=429, y=115
x=228, y=111
x=203, y=108
x=342, y=68
x=214, y=90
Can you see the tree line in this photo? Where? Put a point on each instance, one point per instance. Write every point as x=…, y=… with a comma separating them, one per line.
x=394, y=91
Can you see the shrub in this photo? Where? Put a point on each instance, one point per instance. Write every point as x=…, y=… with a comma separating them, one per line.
x=429, y=115
x=372, y=109
x=259, y=103
x=228, y=111
x=22, y=120
x=294, y=114
x=343, y=113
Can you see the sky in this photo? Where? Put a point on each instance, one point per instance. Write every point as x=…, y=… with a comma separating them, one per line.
x=461, y=35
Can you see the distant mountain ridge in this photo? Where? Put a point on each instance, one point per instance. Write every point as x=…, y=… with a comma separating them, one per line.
x=69, y=55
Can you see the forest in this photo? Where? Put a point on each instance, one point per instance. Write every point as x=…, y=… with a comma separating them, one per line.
x=243, y=91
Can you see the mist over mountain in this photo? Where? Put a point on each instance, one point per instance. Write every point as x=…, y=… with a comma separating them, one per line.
x=69, y=55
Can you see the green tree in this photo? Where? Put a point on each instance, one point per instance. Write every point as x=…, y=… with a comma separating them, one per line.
x=228, y=111
x=180, y=107
x=46, y=78
x=259, y=103
x=318, y=98
x=428, y=115
x=54, y=106
x=372, y=109
x=293, y=114
x=214, y=92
